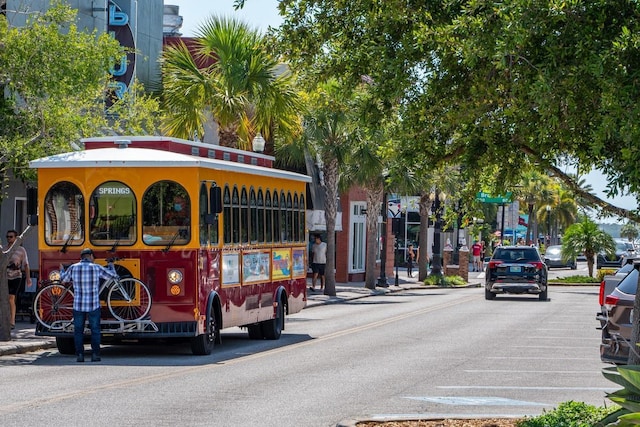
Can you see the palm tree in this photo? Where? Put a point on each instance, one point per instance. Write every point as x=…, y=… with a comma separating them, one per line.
x=535, y=190
x=630, y=231
x=586, y=238
x=328, y=135
x=364, y=167
x=232, y=77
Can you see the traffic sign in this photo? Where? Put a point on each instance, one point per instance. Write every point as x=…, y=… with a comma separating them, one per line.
x=488, y=198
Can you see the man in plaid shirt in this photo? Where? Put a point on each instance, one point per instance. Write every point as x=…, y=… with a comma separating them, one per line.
x=85, y=276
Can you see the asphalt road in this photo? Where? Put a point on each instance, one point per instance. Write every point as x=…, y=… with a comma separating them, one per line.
x=415, y=353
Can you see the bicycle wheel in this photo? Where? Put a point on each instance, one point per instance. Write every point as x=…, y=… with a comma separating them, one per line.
x=129, y=299
x=53, y=306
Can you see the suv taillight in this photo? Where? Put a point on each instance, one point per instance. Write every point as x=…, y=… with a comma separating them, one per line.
x=611, y=300
x=601, y=294
x=494, y=264
x=538, y=265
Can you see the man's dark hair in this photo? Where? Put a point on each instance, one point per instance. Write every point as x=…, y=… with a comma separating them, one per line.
x=12, y=232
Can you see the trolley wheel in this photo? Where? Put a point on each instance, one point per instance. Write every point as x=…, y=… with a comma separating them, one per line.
x=66, y=345
x=255, y=331
x=202, y=345
x=129, y=299
x=53, y=306
x=272, y=329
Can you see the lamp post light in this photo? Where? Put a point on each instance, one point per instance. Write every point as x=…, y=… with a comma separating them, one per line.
x=382, y=280
x=549, y=223
x=258, y=143
x=395, y=254
x=438, y=198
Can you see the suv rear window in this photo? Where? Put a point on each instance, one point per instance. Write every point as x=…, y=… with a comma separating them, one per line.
x=629, y=284
x=520, y=253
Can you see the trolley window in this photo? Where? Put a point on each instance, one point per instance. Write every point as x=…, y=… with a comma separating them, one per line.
x=64, y=215
x=260, y=222
x=226, y=216
x=166, y=214
x=112, y=215
x=268, y=215
x=303, y=219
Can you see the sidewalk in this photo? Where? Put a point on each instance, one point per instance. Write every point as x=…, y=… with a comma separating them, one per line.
x=23, y=338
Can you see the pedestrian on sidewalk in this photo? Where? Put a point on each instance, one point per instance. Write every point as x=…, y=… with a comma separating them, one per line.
x=85, y=276
x=476, y=250
x=319, y=261
x=18, y=263
x=411, y=257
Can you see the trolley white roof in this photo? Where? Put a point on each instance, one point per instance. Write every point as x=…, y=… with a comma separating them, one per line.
x=151, y=158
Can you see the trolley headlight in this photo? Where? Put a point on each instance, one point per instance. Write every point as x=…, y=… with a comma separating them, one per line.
x=174, y=277
x=54, y=275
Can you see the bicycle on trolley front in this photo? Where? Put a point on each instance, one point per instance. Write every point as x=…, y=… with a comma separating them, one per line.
x=127, y=299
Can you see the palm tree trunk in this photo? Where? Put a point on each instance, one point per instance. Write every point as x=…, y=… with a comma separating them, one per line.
x=374, y=205
x=330, y=170
x=423, y=251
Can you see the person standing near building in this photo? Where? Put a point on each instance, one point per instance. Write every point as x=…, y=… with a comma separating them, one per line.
x=85, y=276
x=476, y=251
x=411, y=257
x=17, y=263
x=319, y=261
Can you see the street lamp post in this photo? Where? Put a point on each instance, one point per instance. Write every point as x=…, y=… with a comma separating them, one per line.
x=549, y=223
x=382, y=280
x=395, y=254
x=438, y=198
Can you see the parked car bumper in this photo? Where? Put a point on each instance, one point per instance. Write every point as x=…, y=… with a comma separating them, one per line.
x=614, y=350
x=515, y=287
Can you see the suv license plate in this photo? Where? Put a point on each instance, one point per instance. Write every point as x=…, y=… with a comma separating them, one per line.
x=517, y=269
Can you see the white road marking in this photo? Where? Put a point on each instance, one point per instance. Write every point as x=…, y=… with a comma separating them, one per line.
x=476, y=401
x=519, y=371
x=492, y=387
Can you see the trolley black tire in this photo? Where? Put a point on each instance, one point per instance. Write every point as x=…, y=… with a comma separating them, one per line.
x=53, y=306
x=66, y=345
x=272, y=329
x=255, y=331
x=136, y=309
x=203, y=344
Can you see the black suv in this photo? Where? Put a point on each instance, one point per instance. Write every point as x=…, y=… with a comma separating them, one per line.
x=516, y=270
x=624, y=252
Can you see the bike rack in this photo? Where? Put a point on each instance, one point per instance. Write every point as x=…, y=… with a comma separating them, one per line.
x=113, y=326
x=124, y=326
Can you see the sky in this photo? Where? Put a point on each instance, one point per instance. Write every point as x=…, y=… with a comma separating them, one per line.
x=257, y=13
x=264, y=13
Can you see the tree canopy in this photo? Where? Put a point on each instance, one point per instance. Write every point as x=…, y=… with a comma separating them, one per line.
x=56, y=78
x=495, y=86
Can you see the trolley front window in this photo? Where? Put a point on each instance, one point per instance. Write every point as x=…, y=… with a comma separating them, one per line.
x=64, y=215
x=166, y=214
x=112, y=215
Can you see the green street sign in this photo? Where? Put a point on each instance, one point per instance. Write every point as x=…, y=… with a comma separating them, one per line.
x=488, y=198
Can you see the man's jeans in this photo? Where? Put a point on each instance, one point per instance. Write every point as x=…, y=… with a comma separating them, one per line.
x=78, y=330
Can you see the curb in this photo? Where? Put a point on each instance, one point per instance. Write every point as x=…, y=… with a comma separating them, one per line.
x=22, y=347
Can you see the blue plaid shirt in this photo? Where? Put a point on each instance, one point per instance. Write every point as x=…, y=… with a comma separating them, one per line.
x=85, y=276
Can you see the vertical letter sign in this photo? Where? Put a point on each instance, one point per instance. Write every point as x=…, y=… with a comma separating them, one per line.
x=119, y=27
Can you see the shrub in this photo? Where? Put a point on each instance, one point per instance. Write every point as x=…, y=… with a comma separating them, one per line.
x=450, y=281
x=605, y=272
x=569, y=414
x=576, y=279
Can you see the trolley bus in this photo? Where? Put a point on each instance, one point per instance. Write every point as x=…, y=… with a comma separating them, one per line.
x=217, y=235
